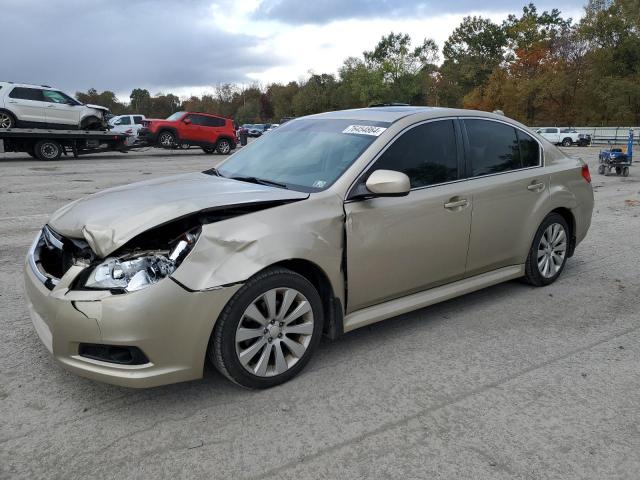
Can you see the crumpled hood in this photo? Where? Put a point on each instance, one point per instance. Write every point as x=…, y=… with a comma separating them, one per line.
x=97, y=107
x=109, y=219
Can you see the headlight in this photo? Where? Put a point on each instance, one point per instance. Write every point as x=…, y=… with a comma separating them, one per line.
x=136, y=270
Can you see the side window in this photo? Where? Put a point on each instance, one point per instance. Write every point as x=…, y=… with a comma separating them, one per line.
x=137, y=119
x=213, y=122
x=55, y=97
x=529, y=150
x=124, y=121
x=27, y=94
x=426, y=153
x=196, y=119
x=551, y=130
x=493, y=147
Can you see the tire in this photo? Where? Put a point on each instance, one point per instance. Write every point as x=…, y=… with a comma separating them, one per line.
x=601, y=169
x=185, y=146
x=209, y=150
x=618, y=170
x=47, y=150
x=7, y=120
x=567, y=142
x=223, y=147
x=625, y=172
x=536, y=272
x=91, y=123
x=261, y=370
x=167, y=139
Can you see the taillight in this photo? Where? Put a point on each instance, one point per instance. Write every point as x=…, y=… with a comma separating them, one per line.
x=585, y=173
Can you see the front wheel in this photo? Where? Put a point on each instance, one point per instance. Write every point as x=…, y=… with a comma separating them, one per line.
x=208, y=150
x=548, y=254
x=223, y=147
x=601, y=169
x=625, y=172
x=269, y=330
x=167, y=140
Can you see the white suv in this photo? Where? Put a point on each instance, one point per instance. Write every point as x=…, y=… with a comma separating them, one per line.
x=40, y=106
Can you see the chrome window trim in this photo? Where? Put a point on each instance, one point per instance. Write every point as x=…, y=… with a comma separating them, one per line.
x=413, y=125
x=540, y=148
x=391, y=142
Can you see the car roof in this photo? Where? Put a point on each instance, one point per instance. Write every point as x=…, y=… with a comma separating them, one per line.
x=28, y=85
x=391, y=114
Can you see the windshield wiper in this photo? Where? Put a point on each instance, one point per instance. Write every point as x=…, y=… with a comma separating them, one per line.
x=260, y=181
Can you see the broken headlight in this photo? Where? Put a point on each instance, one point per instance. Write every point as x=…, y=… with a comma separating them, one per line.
x=138, y=269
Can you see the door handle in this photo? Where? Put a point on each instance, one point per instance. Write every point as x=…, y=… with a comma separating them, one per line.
x=12, y=101
x=535, y=187
x=455, y=204
x=51, y=106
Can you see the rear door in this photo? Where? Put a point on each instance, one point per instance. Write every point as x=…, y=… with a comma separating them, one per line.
x=509, y=189
x=28, y=105
x=213, y=128
x=60, y=109
x=401, y=245
x=137, y=123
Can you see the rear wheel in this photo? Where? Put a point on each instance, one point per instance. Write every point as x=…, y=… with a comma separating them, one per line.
x=47, y=150
x=7, y=120
x=625, y=172
x=223, y=147
x=548, y=253
x=269, y=329
x=567, y=142
x=601, y=169
x=167, y=139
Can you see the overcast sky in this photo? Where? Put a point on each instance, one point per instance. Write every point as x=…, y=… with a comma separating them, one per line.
x=189, y=46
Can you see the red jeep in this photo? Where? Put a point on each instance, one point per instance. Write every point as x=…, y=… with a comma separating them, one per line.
x=211, y=132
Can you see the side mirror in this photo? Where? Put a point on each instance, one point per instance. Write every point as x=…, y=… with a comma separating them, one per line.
x=187, y=121
x=388, y=183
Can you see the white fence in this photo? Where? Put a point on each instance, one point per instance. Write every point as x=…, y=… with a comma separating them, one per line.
x=614, y=135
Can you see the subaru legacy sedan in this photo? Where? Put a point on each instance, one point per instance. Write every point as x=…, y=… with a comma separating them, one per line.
x=330, y=223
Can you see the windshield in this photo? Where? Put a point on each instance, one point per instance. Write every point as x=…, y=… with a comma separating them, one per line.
x=175, y=116
x=305, y=154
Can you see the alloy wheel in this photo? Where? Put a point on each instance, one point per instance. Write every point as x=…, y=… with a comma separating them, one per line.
x=552, y=250
x=224, y=147
x=274, y=332
x=166, y=140
x=5, y=120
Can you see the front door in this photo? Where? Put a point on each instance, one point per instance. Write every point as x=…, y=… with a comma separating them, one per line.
x=193, y=131
x=402, y=245
x=59, y=110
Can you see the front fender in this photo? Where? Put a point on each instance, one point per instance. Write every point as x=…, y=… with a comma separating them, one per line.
x=233, y=250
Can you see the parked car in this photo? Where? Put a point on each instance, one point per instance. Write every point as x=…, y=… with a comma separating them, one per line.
x=130, y=124
x=40, y=106
x=564, y=136
x=211, y=132
x=257, y=130
x=248, y=264
x=272, y=127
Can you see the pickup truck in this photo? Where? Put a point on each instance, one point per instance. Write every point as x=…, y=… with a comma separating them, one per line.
x=564, y=136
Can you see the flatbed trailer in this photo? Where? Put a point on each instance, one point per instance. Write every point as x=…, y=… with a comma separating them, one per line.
x=45, y=144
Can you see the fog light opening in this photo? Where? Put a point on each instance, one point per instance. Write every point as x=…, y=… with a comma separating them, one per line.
x=113, y=354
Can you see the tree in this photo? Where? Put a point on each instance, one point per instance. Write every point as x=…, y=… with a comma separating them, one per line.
x=140, y=101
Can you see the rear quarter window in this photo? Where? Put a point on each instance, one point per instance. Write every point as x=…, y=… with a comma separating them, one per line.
x=24, y=93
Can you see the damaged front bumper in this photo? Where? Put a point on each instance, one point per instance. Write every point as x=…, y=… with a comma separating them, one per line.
x=169, y=325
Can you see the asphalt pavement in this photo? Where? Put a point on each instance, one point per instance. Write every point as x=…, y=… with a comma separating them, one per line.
x=509, y=382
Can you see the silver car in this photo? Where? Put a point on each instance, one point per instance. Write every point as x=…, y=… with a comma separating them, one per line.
x=330, y=223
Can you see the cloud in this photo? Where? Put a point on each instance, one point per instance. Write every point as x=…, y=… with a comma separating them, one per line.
x=159, y=44
x=325, y=11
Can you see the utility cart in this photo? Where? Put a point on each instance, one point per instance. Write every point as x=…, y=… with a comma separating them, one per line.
x=616, y=160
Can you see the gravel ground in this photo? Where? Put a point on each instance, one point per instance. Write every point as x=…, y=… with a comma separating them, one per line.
x=509, y=382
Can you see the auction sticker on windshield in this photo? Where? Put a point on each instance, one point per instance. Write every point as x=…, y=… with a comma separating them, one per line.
x=364, y=130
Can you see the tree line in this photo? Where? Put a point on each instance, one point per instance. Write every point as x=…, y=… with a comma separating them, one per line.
x=538, y=67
